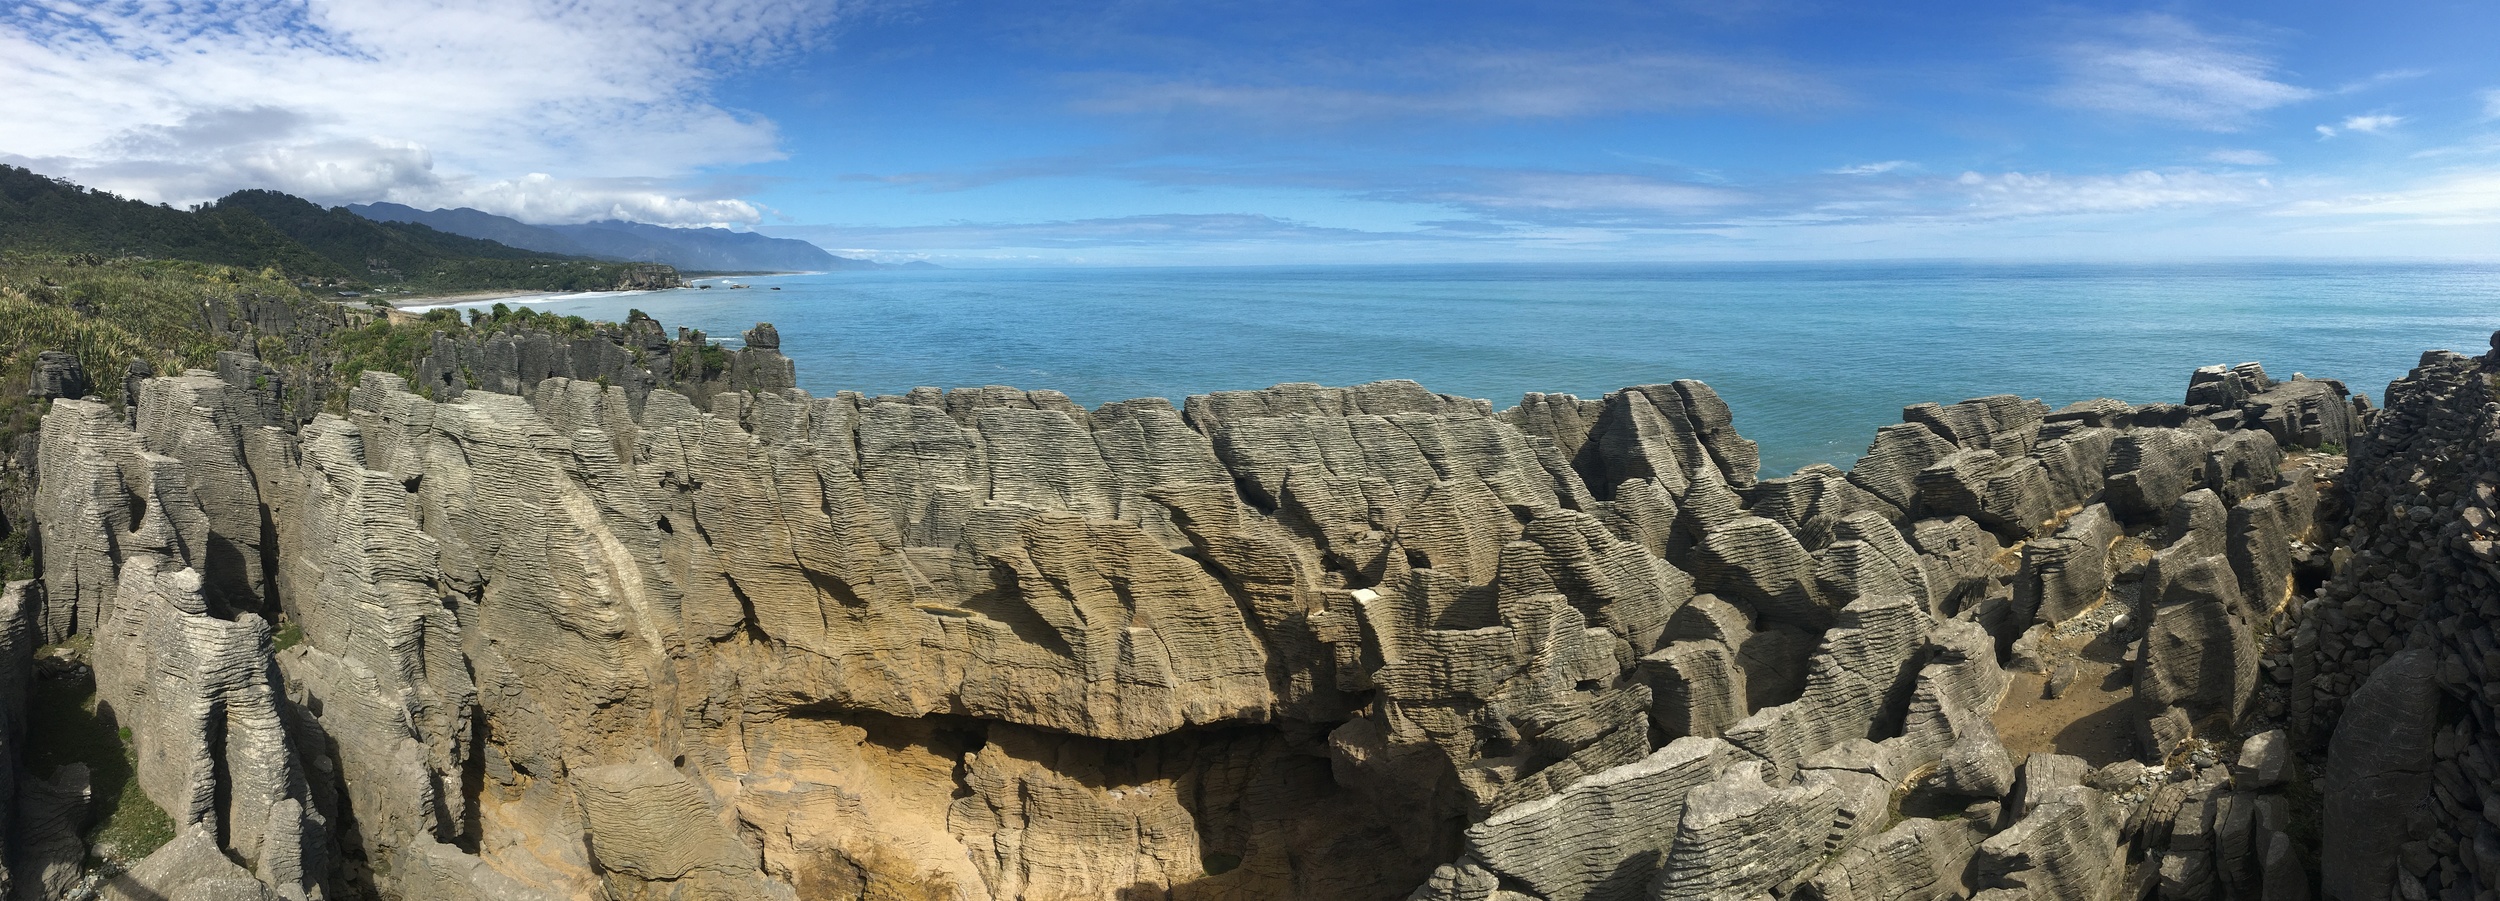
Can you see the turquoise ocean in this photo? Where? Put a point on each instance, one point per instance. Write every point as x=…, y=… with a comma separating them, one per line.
x=1812, y=357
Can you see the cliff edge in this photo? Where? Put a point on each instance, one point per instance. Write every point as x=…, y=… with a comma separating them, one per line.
x=536, y=627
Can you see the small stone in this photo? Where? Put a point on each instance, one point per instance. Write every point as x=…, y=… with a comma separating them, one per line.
x=2060, y=679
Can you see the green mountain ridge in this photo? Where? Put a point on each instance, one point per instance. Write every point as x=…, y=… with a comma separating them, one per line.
x=261, y=229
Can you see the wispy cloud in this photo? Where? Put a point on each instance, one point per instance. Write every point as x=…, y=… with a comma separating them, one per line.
x=1466, y=84
x=2380, y=79
x=1568, y=197
x=2027, y=194
x=2243, y=157
x=1117, y=238
x=2491, y=104
x=459, y=102
x=1873, y=168
x=2162, y=67
x=2371, y=124
x=2469, y=198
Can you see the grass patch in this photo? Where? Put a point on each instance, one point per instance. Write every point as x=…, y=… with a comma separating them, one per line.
x=289, y=635
x=66, y=726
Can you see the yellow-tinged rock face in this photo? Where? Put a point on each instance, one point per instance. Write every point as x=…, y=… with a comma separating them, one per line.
x=593, y=643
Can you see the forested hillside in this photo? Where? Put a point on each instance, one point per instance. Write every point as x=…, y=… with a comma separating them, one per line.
x=292, y=238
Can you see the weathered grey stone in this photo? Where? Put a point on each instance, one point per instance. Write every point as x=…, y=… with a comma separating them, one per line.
x=1752, y=560
x=1917, y=859
x=2377, y=771
x=201, y=420
x=1741, y=836
x=2186, y=875
x=2076, y=464
x=2265, y=761
x=2285, y=878
x=1603, y=837
x=203, y=704
x=2236, y=850
x=1816, y=494
x=2003, y=423
x=47, y=852
x=17, y=684
x=1562, y=419
x=59, y=374
x=1960, y=558
x=652, y=822
x=2226, y=386
x=2305, y=413
x=2150, y=468
x=1948, y=716
x=2242, y=465
x=1869, y=556
x=1662, y=433
x=2065, y=846
x=1696, y=688
x=190, y=868
x=1467, y=880
x=2263, y=532
x=2043, y=777
x=2067, y=573
x=2099, y=412
x=1892, y=463
x=1863, y=672
x=2200, y=652
x=593, y=644
x=83, y=507
x=1707, y=618
x=1774, y=663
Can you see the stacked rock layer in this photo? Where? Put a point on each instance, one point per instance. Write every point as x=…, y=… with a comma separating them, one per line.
x=563, y=639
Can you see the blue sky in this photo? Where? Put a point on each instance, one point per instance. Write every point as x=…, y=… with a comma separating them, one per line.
x=1131, y=133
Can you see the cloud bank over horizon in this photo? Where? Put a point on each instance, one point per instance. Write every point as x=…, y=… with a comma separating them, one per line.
x=1149, y=132
x=545, y=110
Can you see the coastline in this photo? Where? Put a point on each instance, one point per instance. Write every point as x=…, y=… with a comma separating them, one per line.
x=487, y=298
x=431, y=301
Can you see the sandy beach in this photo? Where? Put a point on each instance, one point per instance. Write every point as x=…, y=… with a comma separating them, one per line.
x=430, y=301
x=482, y=298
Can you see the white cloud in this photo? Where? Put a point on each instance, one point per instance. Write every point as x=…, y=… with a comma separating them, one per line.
x=2162, y=67
x=353, y=100
x=2491, y=103
x=2372, y=124
x=1572, y=197
x=2459, y=198
x=1468, y=83
x=2325, y=132
x=2243, y=157
x=1873, y=168
x=2024, y=194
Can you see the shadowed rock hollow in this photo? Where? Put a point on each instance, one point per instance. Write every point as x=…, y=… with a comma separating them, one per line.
x=576, y=641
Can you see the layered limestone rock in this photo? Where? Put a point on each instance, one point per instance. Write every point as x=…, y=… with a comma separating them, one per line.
x=567, y=632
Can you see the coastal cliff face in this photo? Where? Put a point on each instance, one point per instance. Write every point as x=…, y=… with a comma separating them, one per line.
x=540, y=632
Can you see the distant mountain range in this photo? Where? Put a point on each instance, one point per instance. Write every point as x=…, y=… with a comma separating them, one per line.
x=696, y=249
x=267, y=229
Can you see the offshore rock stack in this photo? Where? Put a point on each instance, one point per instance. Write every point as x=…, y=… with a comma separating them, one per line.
x=568, y=633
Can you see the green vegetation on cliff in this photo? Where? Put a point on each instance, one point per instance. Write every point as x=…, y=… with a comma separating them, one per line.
x=266, y=230
x=68, y=726
x=250, y=286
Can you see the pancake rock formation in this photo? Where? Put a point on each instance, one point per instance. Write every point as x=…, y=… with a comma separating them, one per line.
x=522, y=635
